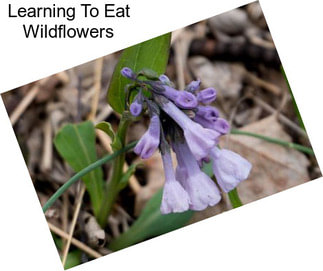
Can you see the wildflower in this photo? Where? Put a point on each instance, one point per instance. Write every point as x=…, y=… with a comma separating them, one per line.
x=201, y=140
x=127, y=72
x=208, y=117
x=229, y=168
x=150, y=140
x=202, y=191
x=175, y=199
x=165, y=80
x=192, y=127
x=181, y=98
x=136, y=105
x=193, y=86
x=206, y=96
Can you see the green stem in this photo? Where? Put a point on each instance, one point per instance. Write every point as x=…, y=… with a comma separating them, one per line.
x=234, y=198
x=275, y=141
x=85, y=171
x=300, y=120
x=112, y=188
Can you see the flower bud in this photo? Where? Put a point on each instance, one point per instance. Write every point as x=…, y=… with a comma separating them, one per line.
x=127, y=72
x=206, y=96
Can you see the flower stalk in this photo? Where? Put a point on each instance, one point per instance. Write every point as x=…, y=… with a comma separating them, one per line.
x=112, y=187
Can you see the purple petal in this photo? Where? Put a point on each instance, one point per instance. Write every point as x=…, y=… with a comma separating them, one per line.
x=206, y=96
x=193, y=86
x=200, y=140
x=135, y=108
x=229, y=168
x=201, y=189
x=208, y=112
x=175, y=199
x=221, y=126
x=186, y=100
x=149, y=142
x=127, y=72
x=164, y=79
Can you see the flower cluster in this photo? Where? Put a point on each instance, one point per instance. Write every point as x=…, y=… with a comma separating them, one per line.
x=184, y=120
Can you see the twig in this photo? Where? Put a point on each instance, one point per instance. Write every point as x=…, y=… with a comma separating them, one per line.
x=180, y=62
x=46, y=162
x=75, y=242
x=22, y=106
x=280, y=117
x=65, y=216
x=262, y=83
x=97, y=87
x=75, y=216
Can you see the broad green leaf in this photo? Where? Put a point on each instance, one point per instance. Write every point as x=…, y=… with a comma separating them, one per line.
x=151, y=223
x=76, y=144
x=151, y=54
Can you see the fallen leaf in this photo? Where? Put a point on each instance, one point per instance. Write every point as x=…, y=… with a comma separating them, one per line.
x=274, y=168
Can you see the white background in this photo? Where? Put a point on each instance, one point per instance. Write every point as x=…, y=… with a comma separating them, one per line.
x=281, y=232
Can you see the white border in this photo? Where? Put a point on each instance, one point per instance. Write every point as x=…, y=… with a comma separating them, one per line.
x=281, y=232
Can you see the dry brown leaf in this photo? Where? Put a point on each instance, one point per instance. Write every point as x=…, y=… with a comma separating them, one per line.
x=275, y=168
x=226, y=78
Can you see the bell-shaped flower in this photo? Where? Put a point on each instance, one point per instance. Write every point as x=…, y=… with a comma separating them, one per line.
x=202, y=191
x=206, y=96
x=127, y=72
x=175, y=199
x=149, y=142
x=229, y=168
x=200, y=140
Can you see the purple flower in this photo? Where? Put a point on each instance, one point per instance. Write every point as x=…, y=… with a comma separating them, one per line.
x=181, y=98
x=193, y=86
x=175, y=199
x=221, y=126
x=206, y=96
x=149, y=142
x=208, y=117
x=136, y=106
x=207, y=112
x=164, y=79
x=127, y=72
x=202, y=191
x=229, y=168
x=200, y=140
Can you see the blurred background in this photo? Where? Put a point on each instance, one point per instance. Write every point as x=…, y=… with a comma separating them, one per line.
x=233, y=52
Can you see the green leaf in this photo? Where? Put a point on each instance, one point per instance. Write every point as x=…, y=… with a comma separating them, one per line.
x=300, y=120
x=126, y=176
x=234, y=198
x=107, y=128
x=76, y=144
x=151, y=54
x=151, y=223
x=73, y=259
